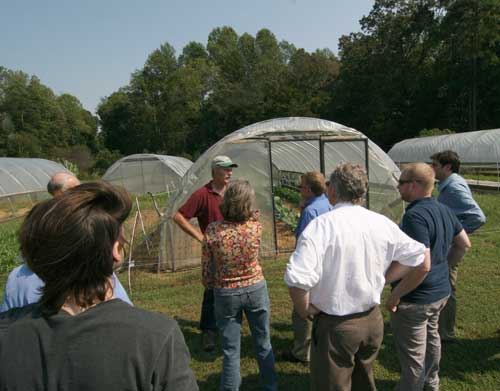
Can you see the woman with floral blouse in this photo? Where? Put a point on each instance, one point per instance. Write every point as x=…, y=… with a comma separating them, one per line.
x=230, y=265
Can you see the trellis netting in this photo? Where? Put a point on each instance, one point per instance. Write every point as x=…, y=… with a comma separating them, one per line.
x=273, y=154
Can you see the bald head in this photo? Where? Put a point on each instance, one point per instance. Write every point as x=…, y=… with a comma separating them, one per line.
x=61, y=182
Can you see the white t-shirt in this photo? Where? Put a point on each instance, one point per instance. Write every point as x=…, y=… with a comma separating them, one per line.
x=342, y=256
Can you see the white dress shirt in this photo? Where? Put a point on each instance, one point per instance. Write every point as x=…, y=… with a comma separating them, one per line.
x=342, y=256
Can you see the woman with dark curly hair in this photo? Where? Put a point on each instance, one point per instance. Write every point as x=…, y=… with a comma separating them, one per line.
x=231, y=266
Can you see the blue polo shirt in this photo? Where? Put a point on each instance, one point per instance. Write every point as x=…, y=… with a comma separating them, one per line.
x=435, y=225
x=313, y=207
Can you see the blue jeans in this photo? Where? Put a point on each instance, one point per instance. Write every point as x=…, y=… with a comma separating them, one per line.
x=229, y=307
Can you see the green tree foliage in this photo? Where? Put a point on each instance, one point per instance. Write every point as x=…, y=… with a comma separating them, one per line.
x=434, y=132
x=104, y=159
x=34, y=122
x=180, y=106
x=412, y=67
x=427, y=64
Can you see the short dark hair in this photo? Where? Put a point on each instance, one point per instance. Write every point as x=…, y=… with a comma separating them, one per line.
x=238, y=203
x=448, y=157
x=350, y=182
x=315, y=181
x=68, y=242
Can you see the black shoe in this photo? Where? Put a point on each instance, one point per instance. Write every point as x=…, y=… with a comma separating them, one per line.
x=449, y=340
x=287, y=355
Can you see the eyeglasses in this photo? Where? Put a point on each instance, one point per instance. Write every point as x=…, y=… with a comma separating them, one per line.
x=401, y=182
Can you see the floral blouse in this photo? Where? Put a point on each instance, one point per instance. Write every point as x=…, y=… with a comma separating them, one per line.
x=230, y=257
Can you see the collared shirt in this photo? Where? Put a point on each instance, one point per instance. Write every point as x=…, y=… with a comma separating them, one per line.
x=342, y=256
x=230, y=256
x=24, y=287
x=434, y=225
x=204, y=205
x=313, y=207
x=455, y=193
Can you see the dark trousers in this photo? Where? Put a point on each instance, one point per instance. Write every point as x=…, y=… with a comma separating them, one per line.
x=207, y=319
x=343, y=350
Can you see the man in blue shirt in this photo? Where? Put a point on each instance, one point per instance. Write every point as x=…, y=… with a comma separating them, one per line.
x=24, y=287
x=314, y=200
x=455, y=194
x=415, y=319
x=314, y=203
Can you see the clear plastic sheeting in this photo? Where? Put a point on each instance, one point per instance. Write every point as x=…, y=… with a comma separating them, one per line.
x=23, y=182
x=274, y=153
x=474, y=148
x=142, y=173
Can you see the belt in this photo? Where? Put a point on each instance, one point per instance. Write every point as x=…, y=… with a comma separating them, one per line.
x=349, y=316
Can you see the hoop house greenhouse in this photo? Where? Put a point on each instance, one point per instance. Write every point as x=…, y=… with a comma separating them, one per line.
x=272, y=155
x=142, y=173
x=23, y=182
x=481, y=148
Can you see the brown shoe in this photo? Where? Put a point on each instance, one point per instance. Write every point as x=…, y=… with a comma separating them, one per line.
x=208, y=340
x=287, y=355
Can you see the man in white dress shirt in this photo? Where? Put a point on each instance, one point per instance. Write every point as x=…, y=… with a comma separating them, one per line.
x=336, y=275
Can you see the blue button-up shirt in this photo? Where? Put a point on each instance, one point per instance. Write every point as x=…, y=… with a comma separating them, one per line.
x=455, y=193
x=313, y=207
x=25, y=287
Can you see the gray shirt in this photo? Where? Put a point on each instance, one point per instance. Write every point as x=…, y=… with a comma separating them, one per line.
x=111, y=346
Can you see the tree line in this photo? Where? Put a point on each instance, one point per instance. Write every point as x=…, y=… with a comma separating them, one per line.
x=413, y=67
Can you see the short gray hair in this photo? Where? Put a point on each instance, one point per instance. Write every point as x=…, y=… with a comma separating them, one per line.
x=238, y=203
x=350, y=182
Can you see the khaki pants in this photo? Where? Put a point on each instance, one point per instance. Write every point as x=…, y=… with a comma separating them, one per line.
x=415, y=330
x=343, y=350
x=449, y=312
x=302, y=329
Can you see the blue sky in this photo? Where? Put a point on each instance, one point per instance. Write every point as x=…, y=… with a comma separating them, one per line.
x=89, y=48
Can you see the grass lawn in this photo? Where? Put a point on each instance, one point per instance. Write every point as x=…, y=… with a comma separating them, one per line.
x=471, y=364
x=482, y=177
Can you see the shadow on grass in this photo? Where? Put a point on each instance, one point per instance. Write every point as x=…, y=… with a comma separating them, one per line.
x=192, y=335
x=458, y=359
x=291, y=376
x=470, y=356
x=289, y=380
x=385, y=385
x=282, y=327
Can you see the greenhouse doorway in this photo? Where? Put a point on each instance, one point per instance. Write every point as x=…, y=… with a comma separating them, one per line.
x=289, y=159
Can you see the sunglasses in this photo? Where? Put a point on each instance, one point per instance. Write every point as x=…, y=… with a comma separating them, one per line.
x=403, y=181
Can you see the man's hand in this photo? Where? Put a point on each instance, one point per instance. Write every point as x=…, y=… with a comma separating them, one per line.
x=461, y=244
x=303, y=313
x=184, y=224
x=307, y=313
x=312, y=312
x=392, y=303
x=300, y=299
